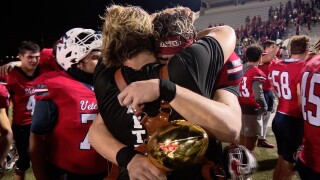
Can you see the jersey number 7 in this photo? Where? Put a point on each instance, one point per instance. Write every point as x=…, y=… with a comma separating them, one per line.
x=86, y=118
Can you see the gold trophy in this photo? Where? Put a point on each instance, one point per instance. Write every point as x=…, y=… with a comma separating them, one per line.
x=179, y=143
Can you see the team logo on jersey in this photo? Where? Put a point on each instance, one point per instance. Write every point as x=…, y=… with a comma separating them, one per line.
x=86, y=105
x=29, y=90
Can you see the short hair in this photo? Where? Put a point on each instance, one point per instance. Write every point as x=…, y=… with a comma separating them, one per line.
x=299, y=44
x=268, y=43
x=253, y=53
x=28, y=46
x=127, y=31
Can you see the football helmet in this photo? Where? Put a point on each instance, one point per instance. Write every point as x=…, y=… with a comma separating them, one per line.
x=75, y=45
x=239, y=162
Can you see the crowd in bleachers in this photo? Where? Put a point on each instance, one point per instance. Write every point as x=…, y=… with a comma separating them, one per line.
x=299, y=13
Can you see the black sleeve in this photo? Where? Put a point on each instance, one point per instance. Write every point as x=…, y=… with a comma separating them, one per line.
x=197, y=66
x=102, y=85
x=44, y=117
x=233, y=89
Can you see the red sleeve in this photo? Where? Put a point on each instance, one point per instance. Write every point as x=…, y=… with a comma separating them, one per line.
x=47, y=59
x=259, y=76
x=40, y=87
x=231, y=73
x=4, y=97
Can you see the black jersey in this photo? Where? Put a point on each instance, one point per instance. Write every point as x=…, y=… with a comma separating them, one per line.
x=194, y=68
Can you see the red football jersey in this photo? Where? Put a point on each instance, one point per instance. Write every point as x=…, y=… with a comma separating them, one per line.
x=310, y=101
x=267, y=85
x=69, y=148
x=246, y=92
x=4, y=97
x=230, y=73
x=21, y=89
x=285, y=75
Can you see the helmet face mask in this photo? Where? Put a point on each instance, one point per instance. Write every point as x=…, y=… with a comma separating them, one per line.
x=75, y=45
x=239, y=162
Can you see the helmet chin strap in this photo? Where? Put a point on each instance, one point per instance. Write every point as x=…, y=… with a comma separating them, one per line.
x=80, y=75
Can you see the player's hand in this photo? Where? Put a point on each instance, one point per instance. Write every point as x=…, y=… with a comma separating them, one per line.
x=141, y=168
x=5, y=69
x=138, y=93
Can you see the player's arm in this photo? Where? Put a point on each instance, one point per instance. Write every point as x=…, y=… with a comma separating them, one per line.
x=214, y=116
x=226, y=37
x=229, y=103
x=268, y=57
x=299, y=95
x=137, y=164
x=43, y=121
x=99, y=134
x=220, y=116
x=5, y=69
x=6, y=136
x=259, y=95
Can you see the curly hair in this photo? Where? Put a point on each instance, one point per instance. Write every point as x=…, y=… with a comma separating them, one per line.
x=299, y=44
x=126, y=32
x=176, y=21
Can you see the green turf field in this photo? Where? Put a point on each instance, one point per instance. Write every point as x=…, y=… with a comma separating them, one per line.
x=266, y=158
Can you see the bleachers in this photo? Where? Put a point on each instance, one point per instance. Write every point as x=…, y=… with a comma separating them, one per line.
x=234, y=16
x=314, y=33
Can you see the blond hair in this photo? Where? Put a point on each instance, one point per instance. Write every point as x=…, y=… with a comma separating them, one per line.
x=126, y=32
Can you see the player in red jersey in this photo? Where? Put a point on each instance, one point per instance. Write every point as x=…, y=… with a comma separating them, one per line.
x=269, y=48
x=308, y=164
x=5, y=129
x=252, y=100
x=65, y=107
x=287, y=124
x=20, y=86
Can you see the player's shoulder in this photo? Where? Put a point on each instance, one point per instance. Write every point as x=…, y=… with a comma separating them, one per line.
x=313, y=63
x=3, y=90
x=233, y=57
x=257, y=72
x=50, y=76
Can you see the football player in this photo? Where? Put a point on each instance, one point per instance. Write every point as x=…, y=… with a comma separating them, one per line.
x=252, y=101
x=20, y=86
x=287, y=124
x=308, y=164
x=269, y=48
x=65, y=108
x=6, y=136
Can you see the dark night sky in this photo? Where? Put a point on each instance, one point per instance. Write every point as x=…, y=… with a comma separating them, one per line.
x=44, y=22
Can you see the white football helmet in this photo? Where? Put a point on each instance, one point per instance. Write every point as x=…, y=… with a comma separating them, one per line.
x=75, y=45
x=239, y=162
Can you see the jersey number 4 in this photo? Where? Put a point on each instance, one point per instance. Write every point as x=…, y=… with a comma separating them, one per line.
x=86, y=118
x=313, y=99
x=31, y=104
